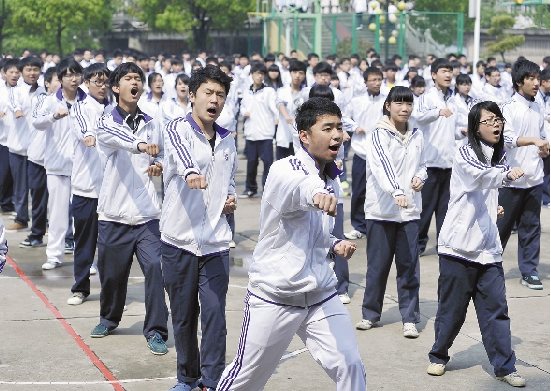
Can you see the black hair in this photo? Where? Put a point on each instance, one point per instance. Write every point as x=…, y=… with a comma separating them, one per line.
x=319, y=91
x=475, y=140
x=396, y=57
x=418, y=81
x=117, y=53
x=269, y=57
x=431, y=56
x=96, y=52
x=211, y=60
x=397, y=94
x=332, y=57
x=342, y=60
x=209, y=73
x=322, y=67
x=297, y=66
x=372, y=71
x=461, y=56
x=11, y=63
x=79, y=51
x=480, y=63
x=271, y=83
x=307, y=114
x=120, y=72
x=196, y=63
x=440, y=63
x=455, y=64
x=183, y=78
x=243, y=55
x=450, y=56
x=489, y=70
x=293, y=51
x=49, y=74
x=391, y=67
x=544, y=75
x=507, y=65
x=68, y=64
x=258, y=67
x=334, y=76
x=177, y=61
x=546, y=59
x=462, y=79
x=151, y=78
x=312, y=55
x=30, y=62
x=490, y=59
x=376, y=63
x=523, y=69
x=141, y=57
x=356, y=56
x=225, y=64
x=98, y=69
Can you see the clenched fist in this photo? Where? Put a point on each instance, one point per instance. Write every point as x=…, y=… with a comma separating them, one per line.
x=61, y=112
x=515, y=174
x=197, y=182
x=345, y=249
x=150, y=149
x=155, y=169
x=229, y=206
x=89, y=141
x=326, y=203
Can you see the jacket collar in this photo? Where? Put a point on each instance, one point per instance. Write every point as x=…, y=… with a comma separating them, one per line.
x=220, y=130
x=521, y=99
x=80, y=94
x=331, y=169
x=117, y=117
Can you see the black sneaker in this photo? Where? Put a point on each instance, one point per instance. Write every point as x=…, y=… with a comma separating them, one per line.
x=247, y=194
x=31, y=243
x=532, y=282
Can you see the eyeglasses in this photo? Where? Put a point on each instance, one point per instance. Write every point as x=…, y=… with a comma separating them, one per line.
x=99, y=83
x=70, y=76
x=495, y=121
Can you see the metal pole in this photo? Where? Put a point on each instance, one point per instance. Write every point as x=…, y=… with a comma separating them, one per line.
x=354, y=33
x=334, y=35
x=401, y=38
x=476, y=37
x=287, y=38
x=279, y=36
x=317, y=28
x=377, y=28
x=295, y=32
x=249, y=40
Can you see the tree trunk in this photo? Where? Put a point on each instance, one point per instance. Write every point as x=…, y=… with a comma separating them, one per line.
x=58, y=39
x=200, y=34
x=502, y=56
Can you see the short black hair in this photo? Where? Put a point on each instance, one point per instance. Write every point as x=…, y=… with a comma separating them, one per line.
x=297, y=66
x=376, y=63
x=225, y=64
x=98, y=69
x=211, y=60
x=183, y=78
x=391, y=67
x=79, y=51
x=319, y=91
x=480, y=63
x=141, y=57
x=461, y=56
x=68, y=64
x=49, y=74
x=11, y=63
x=456, y=64
x=489, y=70
x=243, y=55
x=312, y=55
x=418, y=81
x=258, y=67
x=460, y=80
x=397, y=94
x=342, y=60
x=212, y=73
x=307, y=114
x=121, y=71
x=440, y=63
x=372, y=71
x=322, y=67
x=30, y=62
x=490, y=59
x=523, y=69
x=544, y=75
x=269, y=57
x=177, y=61
x=96, y=52
x=117, y=53
x=151, y=78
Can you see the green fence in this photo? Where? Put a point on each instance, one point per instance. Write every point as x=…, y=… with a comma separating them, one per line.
x=402, y=33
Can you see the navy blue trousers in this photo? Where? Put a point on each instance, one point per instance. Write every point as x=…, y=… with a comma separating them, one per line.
x=283, y=152
x=435, y=195
x=522, y=206
x=187, y=278
x=117, y=244
x=341, y=264
x=263, y=150
x=39, y=199
x=347, y=145
x=545, y=196
x=357, y=201
x=388, y=240
x=18, y=167
x=6, y=181
x=230, y=218
x=458, y=283
x=86, y=237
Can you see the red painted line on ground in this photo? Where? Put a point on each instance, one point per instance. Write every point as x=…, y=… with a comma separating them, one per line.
x=80, y=342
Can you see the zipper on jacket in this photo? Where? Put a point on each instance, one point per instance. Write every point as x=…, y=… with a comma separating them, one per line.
x=209, y=176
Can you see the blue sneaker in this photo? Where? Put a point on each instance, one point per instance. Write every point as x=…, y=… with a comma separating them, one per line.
x=183, y=386
x=157, y=345
x=100, y=331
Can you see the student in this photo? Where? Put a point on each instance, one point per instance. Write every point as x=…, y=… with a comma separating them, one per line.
x=492, y=91
x=524, y=135
x=417, y=87
x=227, y=116
x=86, y=177
x=170, y=109
x=289, y=99
x=274, y=77
x=259, y=110
x=542, y=98
x=53, y=118
x=291, y=283
x=128, y=209
x=435, y=116
x=411, y=73
x=313, y=60
x=463, y=102
x=151, y=101
x=19, y=137
x=395, y=175
x=506, y=81
x=479, y=79
x=169, y=81
x=390, y=78
x=200, y=164
x=470, y=251
x=346, y=79
x=456, y=71
x=35, y=169
x=115, y=61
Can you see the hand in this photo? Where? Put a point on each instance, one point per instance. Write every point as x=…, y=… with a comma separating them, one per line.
x=446, y=113
x=401, y=201
x=230, y=205
x=416, y=184
x=18, y=114
x=339, y=164
x=326, y=203
x=197, y=182
x=2, y=114
x=500, y=212
x=61, y=112
x=515, y=174
x=465, y=131
x=345, y=137
x=345, y=249
x=290, y=120
x=89, y=141
x=246, y=115
x=360, y=130
x=234, y=134
x=155, y=169
x=543, y=146
x=150, y=149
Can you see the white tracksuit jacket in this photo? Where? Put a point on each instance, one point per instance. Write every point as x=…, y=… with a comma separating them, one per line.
x=463, y=107
x=87, y=165
x=261, y=105
x=469, y=231
x=127, y=194
x=524, y=118
x=285, y=131
x=58, y=152
x=37, y=146
x=192, y=219
x=170, y=109
x=291, y=262
x=495, y=94
x=439, y=131
x=392, y=162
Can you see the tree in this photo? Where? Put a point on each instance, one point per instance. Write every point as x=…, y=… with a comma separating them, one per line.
x=504, y=41
x=199, y=16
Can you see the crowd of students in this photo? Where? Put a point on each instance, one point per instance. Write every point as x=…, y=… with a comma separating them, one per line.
x=86, y=138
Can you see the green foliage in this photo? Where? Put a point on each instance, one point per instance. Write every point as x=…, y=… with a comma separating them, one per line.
x=504, y=42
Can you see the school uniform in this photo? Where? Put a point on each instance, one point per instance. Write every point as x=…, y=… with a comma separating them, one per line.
x=439, y=134
x=471, y=261
x=195, y=240
x=286, y=132
x=341, y=264
x=3, y=245
x=19, y=137
x=522, y=199
x=170, y=109
x=6, y=180
x=259, y=131
x=292, y=286
x=543, y=100
x=507, y=83
x=148, y=105
x=387, y=86
x=478, y=84
x=58, y=162
x=86, y=179
x=427, y=75
x=227, y=118
x=463, y=107
x=346, y=84
x=365, y=112
x=393, y=160
x=494, y=94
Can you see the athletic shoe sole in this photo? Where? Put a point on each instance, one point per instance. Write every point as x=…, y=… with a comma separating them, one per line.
x=534, y=287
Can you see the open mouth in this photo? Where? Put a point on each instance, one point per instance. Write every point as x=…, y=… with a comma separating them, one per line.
x=497, y=132
x=211, y=111
x=335, y=148
x=134, y=92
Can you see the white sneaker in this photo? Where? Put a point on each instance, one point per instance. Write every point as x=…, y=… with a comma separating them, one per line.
x=365, y=324
x=125, y=307
x=345, y=298
x=232, y=244
x=435, y=369
x=49, y=265
x=93, y=270
x=76, y=299
x=410, y=331
x=353, y=235
x=513, y=379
